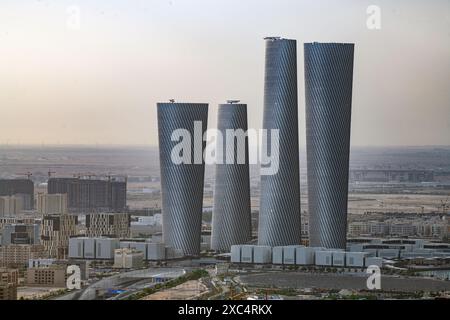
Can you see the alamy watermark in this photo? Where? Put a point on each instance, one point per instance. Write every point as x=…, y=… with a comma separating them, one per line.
x=73, y=21
x=374, y=280
x=373, y=21
x=189, y=150
x=73, y=277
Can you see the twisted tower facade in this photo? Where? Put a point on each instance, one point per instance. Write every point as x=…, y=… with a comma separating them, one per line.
x=328, y=89
x=279, y=216
x=231, y=220
x=182, y=183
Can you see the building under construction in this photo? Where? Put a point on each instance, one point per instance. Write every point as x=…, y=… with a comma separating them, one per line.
x=91, y=195
x=23, y=187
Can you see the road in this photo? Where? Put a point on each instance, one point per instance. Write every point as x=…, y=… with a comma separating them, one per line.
x=130, y=281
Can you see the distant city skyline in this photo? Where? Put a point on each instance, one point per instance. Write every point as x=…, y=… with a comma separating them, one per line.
x=99, y=84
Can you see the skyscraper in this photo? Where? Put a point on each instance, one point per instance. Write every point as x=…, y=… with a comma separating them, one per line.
x=182, y=182
x=231, y=220
x=328, y=89
x=279, y=216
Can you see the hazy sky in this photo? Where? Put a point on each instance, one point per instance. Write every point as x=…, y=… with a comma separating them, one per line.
x=100, y=84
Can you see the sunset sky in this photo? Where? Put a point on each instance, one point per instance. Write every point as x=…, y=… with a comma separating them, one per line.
x=99, y=84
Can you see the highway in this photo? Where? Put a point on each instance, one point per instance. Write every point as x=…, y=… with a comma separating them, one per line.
x=130, y=281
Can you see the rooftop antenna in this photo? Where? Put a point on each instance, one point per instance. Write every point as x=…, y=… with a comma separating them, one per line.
x=233, y=101
x=50, y=173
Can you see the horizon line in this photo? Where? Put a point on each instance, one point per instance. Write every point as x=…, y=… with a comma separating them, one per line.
x=120, y=145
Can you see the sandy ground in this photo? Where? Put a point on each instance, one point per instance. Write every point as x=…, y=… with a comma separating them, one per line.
x=183, y=291
x=358, y=204
x=339, y=281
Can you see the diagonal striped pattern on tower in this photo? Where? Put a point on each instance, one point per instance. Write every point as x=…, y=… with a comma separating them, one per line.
x=328, y=90
x=181, y=184
x=231, y=220
x=279, y=217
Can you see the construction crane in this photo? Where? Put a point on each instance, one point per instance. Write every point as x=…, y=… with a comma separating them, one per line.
x=50, y=173
x=28, y=174
x=444, y=205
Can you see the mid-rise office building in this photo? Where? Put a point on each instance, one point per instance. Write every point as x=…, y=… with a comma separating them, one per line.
x=56, y=229
x=231, y=219
x=20, y=234
x=8, y=291
x=115, y=225
x=279, y=216
x=126, y=258
x=47, y=276
x=5, y=221
x=41, y=262
x=9, y=279
x=402, y=229
x=18, y=255
x=9, y=275
x=181, y=127
x=328, y=93
x=17, y=220
x=92, y=248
